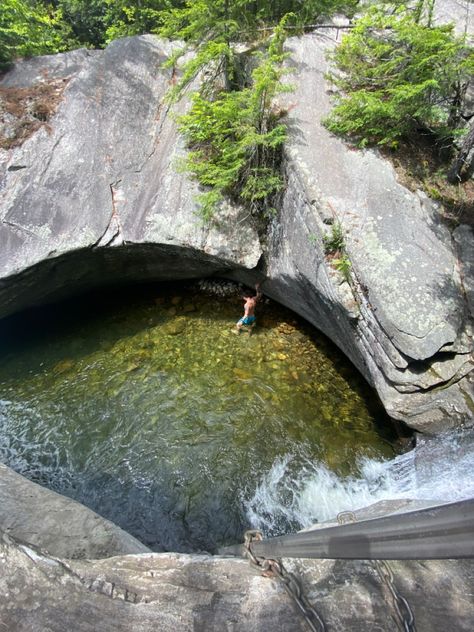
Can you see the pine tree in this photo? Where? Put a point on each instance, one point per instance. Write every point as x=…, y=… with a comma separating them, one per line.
x=235, y=136
x=397, y=75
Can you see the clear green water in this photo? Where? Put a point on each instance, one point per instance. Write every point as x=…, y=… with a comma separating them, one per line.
x=143, y=405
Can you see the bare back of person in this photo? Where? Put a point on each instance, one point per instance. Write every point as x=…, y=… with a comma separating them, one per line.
x=248, y=320
x=250, y=305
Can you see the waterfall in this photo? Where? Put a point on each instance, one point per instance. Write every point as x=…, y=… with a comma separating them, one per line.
x=299, y=494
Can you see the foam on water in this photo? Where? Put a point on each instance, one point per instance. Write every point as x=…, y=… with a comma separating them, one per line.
x=301, y=494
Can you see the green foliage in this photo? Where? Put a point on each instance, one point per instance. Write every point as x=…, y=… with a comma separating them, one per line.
x=217, y=58
x=334, y=242
x=398, y=75
x=86, y=18
x=234, y=137
x=307, y=12
x=343, y=265
x=31, y=28
x=134, y=17
x=210, y=27
x=203, y=20
x=233, y=131
x=241, y=20
x=335, y=250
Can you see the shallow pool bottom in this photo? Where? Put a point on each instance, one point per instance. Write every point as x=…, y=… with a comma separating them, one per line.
x=144, y=405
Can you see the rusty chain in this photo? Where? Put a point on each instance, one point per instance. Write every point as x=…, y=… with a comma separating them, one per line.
x=275, y=570
x=405, y=616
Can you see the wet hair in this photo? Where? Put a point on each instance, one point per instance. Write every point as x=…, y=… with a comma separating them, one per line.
x=249, y=293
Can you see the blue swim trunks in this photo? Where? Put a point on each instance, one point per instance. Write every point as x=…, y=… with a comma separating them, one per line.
x=247, y=320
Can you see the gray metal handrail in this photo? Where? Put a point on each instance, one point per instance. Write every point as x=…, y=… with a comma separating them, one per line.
x=439, y=532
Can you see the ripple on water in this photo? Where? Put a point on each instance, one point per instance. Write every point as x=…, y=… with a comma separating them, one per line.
x=152, y=412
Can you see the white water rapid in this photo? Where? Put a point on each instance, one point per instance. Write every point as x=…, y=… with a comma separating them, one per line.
x=439, y=469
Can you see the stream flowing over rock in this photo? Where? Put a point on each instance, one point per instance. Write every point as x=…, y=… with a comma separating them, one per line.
x=94, y=195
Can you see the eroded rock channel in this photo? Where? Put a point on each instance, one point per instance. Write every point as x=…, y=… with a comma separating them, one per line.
x=152, y=412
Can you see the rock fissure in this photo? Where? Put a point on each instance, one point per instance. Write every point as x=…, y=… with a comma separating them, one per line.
x=51, y=154
x=459, y=270
x=112, y=235
x=385, y=342
x=438, y=381
x=45, y=562
x=19, y=227
x=162, y=118
x=423, y=336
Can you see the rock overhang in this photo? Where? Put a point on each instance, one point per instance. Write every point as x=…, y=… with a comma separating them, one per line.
x=96, y=197
x=102, y=175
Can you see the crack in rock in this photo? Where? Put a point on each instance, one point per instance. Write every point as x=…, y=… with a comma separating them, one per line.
x=113, y=234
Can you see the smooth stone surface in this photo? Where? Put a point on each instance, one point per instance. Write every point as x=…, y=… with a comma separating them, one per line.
x=64, y=527
x=194, y=593
x=102, y=174
x=457, y=12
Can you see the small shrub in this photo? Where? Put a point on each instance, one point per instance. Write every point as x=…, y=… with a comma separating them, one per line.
x=334, y=242
x=397, y=77
x=335, y=250
x=343, y=265
x=235, y=136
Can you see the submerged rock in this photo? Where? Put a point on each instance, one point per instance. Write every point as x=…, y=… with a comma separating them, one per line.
x=175, y=326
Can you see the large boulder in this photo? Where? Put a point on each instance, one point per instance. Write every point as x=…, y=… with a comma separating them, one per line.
x=177, y=592
x=62, y=526
x=93, y=195
x=402, y=318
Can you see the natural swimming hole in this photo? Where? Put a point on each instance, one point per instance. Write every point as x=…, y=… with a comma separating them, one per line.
x=141, y=403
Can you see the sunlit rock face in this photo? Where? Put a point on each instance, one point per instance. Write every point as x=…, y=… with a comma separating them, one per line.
x=402, y=314
x=94, y=196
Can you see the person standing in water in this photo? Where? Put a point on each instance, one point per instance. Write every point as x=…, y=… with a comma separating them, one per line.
x=251, y=299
